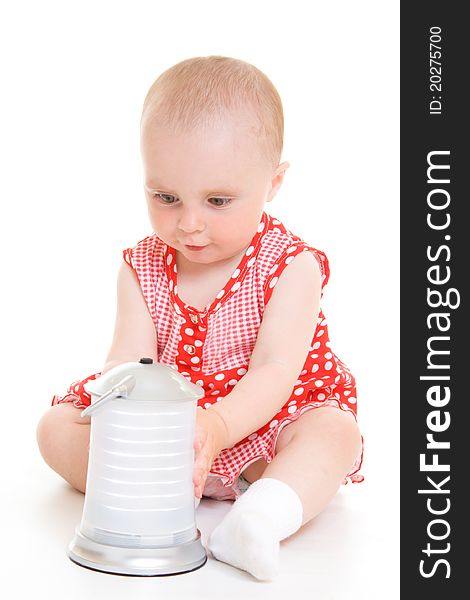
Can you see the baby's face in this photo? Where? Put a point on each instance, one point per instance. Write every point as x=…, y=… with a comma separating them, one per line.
x=206, y=188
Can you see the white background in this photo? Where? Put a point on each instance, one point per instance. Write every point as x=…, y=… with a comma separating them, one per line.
x=74, y=76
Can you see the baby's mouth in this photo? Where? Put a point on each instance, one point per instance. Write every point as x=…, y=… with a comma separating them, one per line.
x=194, y=248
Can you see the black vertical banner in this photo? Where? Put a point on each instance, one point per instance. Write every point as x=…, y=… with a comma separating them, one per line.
x=435, y=268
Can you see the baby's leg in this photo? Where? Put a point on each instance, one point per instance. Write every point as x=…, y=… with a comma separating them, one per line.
x=63, y=439
x=313, y=455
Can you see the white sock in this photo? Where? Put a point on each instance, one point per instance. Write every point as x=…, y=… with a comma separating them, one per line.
x=249, y=535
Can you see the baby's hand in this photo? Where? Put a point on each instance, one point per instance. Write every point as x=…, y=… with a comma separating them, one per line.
x=210, y=438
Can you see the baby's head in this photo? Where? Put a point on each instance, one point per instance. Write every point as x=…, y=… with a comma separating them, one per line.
x=207, y=90
x=212, y=134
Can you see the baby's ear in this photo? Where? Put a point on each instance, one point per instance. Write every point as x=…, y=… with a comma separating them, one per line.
x=277, y=179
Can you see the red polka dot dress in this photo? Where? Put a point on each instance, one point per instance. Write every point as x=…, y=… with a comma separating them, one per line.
x=212, y=347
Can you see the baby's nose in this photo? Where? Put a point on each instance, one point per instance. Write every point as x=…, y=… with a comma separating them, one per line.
x=190, y=221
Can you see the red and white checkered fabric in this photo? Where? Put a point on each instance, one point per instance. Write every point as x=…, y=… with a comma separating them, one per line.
x=212, y=347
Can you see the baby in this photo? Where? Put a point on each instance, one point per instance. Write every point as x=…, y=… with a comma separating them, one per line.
x=226, y=293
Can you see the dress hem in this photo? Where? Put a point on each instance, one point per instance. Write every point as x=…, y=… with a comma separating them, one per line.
x=353, y=475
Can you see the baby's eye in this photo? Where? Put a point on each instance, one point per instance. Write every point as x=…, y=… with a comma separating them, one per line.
x=166, y=198
x=220, y=202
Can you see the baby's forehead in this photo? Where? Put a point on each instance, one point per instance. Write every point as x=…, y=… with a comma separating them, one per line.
x=224, y=148
x=239, y=125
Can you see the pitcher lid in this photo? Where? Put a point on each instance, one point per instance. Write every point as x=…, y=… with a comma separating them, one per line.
x=154, y=381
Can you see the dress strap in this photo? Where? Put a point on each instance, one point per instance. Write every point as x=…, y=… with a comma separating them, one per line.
x=127, y=256
x=288, y=256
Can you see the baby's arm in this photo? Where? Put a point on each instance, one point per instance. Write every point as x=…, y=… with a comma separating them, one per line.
x=285, y=335
x=134, y=332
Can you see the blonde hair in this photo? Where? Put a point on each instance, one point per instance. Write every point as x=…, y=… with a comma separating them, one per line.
x=196, y=90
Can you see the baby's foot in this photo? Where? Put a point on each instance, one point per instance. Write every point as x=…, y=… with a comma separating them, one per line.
x=247, y=540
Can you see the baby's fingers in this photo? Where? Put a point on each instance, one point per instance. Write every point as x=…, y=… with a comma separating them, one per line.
x=198, y=481
x=200, y=473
